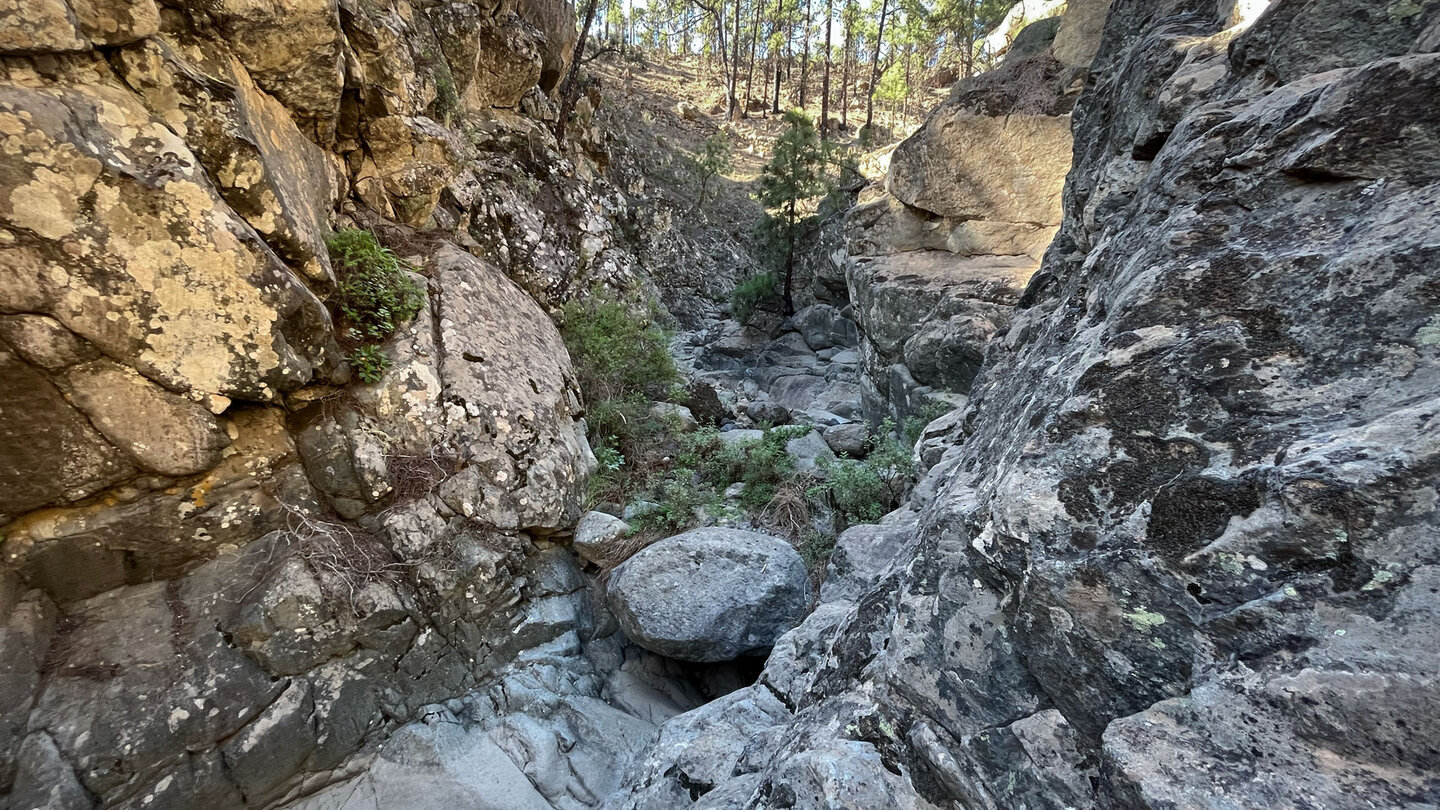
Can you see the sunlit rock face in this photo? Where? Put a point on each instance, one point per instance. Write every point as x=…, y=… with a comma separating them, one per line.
x=936, y=259
x=230, y=567
x=1180, y=547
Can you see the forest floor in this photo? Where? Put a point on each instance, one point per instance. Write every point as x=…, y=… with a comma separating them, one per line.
x=644, y=101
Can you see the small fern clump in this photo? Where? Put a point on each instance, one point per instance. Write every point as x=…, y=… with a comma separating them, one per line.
x=376, y=294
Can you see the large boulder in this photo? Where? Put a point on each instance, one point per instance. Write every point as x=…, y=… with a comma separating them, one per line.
x=411, y=161
x=851, y=439
x=927, y=317
x=510, y=395
x=159, y=431
x=971, y=202
x=810, y=452
x=710, y=594
x=1079, y=36
x=262, y=165
x=293, y=48
x=49, y=451
x=1007, y=168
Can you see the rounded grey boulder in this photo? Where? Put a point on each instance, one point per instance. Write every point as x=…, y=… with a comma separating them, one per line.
x=710, y=594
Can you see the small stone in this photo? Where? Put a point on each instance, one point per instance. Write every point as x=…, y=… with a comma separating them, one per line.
x=809, y=451
x=677, y=415
x=766, y=411
x=596, y=536
x=851, y=439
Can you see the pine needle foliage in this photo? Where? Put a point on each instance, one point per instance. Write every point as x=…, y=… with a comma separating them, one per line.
x=712, y=159
x=795, y=175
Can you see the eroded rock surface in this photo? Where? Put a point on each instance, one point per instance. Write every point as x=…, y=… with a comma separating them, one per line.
x=971, y=200
x=1180, y=547
x=231, y=567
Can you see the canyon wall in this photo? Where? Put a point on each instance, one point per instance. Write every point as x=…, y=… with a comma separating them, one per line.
x=1180, y=547
x=231, y=567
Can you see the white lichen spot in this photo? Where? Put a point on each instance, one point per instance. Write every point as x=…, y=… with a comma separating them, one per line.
x=177, y=716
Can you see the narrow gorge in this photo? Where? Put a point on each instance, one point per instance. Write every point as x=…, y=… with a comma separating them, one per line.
x=366, y=444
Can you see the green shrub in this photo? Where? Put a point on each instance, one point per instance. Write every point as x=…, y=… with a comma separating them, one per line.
x=623, y=364
x=719, y=463
x=816, y=551
x=376, y=294
x=608, y=457
x=447, y=99
x=856, y=490
x=678, y=500
x=864, y=491
x=914, y=426
x=617, y=349
x=767, y=465
x=370, y=363
x=751, y=293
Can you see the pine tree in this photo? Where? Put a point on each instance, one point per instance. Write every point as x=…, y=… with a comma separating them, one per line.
x=794, y=175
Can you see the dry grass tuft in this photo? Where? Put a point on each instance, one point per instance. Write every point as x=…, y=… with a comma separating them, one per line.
x=344, y=558
x=789, y=511
x=415, y=475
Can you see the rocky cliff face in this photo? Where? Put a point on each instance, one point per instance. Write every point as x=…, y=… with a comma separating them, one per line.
x=1180, y=547
x=936, y=259
x=230, y=568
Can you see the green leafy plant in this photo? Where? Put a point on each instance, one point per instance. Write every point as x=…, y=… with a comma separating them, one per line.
x=914, y=426
x=768, y=465
x=618, y=349
x=623, y=364
x=447, y=99
x=864, y=491
x=370, y=363
x=677, y=501
x=856, y=490
x=815, y=551
x=376, y=294
x=608, y=457
x=751, y=293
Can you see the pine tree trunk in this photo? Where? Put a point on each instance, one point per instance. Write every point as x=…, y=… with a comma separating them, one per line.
x=754, y=42
x=789, y=261
x=571, y=89
x=875, y=65
x=805, y=57
x=779, y=64
x=845, y=77
x=825, y=81
x=732, y=100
